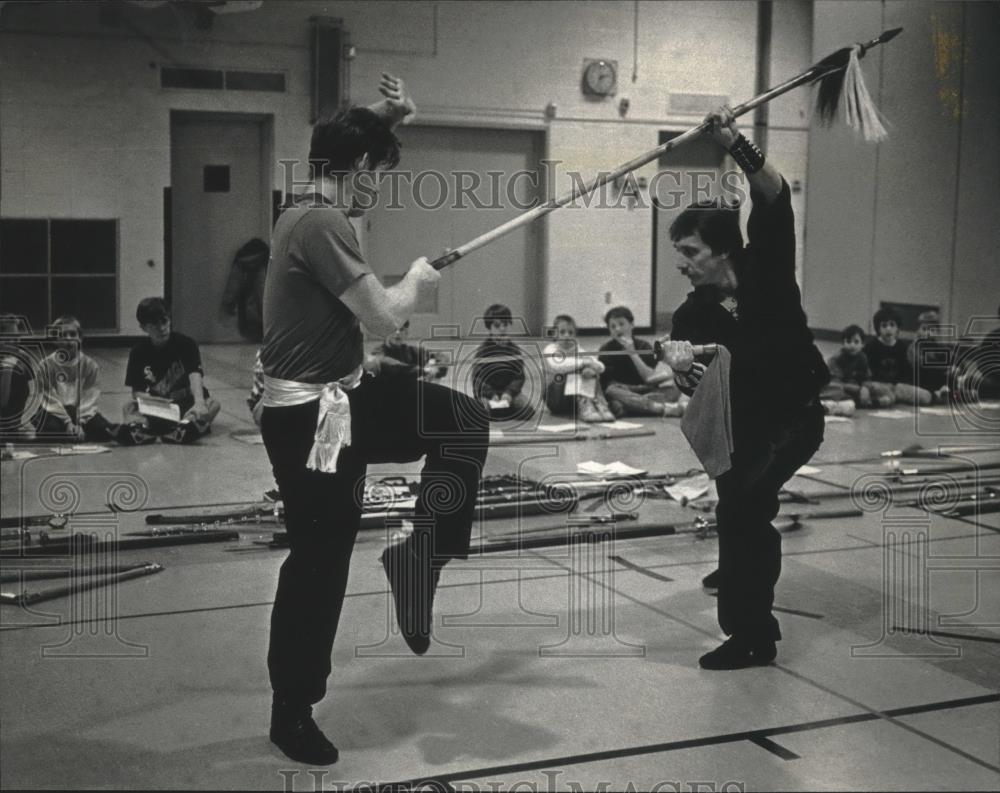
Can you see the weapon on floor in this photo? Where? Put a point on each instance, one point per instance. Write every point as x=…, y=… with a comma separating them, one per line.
x=800, y=497
x=916, y=450
x=899, y=474
x=567, y=533
x=82, y=543
x=523, y=439
x=526, y=495
x=837, y=73
x=101, y=578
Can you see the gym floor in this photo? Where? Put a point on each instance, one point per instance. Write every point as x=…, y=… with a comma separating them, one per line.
x=555, y=668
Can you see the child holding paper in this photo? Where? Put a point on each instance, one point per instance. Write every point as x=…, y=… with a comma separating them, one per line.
x=572, y=386
x=165, y=375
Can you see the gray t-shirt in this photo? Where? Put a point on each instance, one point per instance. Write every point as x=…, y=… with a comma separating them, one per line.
x=310, y=336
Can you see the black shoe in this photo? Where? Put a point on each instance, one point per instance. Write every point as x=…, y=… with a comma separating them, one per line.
x=738, y=654
x=413, y=582
x=711, y=581
x=273, y=495
x=133, y=435
x=296, y=734
x=185, y=432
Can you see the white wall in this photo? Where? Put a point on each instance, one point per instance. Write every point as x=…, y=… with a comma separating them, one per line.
x=913, y=219
x=85, y=126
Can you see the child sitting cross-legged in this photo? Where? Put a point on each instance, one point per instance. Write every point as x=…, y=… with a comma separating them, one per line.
x=889, y=359
x=634, y=382
x=497, y=384
x=167, y=365
x=567, y=370
x=851, y=383
x=68, y=382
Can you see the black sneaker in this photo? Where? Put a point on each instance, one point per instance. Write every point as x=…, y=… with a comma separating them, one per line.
x=711, y=581
x=738, y=654
x=184, y=433
x=133, y=435
x=413, y=582
x=296, y=734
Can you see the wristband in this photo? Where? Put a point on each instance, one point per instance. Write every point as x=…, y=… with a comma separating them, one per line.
x=747, y=155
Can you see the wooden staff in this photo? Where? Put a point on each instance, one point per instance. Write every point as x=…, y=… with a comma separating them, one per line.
x=832, y=66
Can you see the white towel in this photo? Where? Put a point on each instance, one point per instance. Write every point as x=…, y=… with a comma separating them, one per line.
x=333, y=425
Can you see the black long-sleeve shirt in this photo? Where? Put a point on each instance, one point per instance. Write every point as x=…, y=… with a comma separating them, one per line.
x=775, y=363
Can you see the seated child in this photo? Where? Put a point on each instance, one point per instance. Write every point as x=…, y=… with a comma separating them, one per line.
x=636, y=384
x=395, y=356
x=931, y=357
x=67, y=380
x=167, y=364
x=500, y=382
x=16, y=383
x=977, y=372
x=851, y=383
x=563, y=364
x=889, y=360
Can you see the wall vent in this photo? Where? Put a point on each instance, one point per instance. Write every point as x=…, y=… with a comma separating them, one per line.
x=217, y=79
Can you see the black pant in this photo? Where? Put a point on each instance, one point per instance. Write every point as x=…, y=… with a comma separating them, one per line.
x=765, y=457
x=96, y=428
x=392, y=420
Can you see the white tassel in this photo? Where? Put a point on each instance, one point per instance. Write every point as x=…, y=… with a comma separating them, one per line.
x=862, y=115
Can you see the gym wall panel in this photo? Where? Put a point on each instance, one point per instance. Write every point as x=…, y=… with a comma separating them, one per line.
x=916, y=170
x=840, y=187
x=976, y=273
x=913, y=219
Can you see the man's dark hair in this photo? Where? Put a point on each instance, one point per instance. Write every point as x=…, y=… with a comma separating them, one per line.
x=885, y=315
x=851, y=331
x=340, y=140
x=716, y=221
x=151, y=309
x=498, y=312
x=621, y=312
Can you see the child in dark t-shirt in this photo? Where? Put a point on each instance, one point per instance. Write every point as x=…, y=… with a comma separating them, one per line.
x=890, y=362
x=167, y=365
x=498, y=384
x=396, y=357
x=851, y=377
x=629, y=391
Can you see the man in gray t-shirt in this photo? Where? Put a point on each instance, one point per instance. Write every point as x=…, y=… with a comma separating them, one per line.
x=310, y=335
x=319, y=292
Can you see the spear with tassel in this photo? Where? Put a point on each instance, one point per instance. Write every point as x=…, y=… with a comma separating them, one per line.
x=839, y=76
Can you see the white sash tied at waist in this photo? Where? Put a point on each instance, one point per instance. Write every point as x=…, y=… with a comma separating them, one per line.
x=333, y=426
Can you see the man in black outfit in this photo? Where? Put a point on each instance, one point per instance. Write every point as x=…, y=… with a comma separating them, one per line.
x=324, y=420
x=747, y=300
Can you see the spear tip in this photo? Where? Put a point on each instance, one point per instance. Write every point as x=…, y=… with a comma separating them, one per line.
x=889, y=35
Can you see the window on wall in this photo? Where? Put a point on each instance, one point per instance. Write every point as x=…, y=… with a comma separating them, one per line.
x=55, y=266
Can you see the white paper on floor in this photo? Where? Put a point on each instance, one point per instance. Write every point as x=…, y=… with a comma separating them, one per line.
x=809, y=470
x=568, y=427
x=941, y=410
x=622, y=425
x=617, y=468
x=891, y=414
x=692, y=488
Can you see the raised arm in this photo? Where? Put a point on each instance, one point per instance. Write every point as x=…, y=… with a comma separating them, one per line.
x=397, y=105
x=765, y=181
x=382, y=310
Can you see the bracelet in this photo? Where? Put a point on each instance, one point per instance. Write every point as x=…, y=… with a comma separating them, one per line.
x=747, y=155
